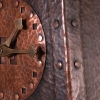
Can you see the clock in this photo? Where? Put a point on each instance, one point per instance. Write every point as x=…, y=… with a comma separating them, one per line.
x=22, y=50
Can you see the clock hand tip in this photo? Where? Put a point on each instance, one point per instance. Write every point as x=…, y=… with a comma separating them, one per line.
x=19, y=23
x=31, y=51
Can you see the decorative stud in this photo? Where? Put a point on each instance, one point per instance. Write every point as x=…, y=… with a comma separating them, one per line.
x=1, y=95
x=31, y=15
x=31, y=86
x=16, y=3
x=77, y=64
x=1, y=5
x=59, y=65
x=40, y=38
x=74, y=23
x=39, y=63
x=16, y=97
x=56, y=24
x=1, y=50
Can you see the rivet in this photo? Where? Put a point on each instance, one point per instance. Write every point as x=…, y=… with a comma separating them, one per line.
x=16, y=3
x=56, y=24
x=40, y=38
x=59, y=65
x=31, y=86
x=1, y=95
x=31, y=15
x=1, y=5
x=1, y=50
x=74, y=23
x=39, y=63
x=16, y=97
x=77, y=64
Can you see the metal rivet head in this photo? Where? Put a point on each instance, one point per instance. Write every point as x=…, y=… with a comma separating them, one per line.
x=16, y=3
x=39, y=63
x=31, y=86
x=74, y=23
x=59, y=65
x=40, y=38
x=77, y=64
x=1, y=50
x=16, y=97
x=1, y=95
x=31, y=15
x=56, y=24
x=1, y=5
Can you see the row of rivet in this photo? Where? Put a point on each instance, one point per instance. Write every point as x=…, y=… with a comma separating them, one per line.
x=77, y=64
x=31, y=85
x=15, y=4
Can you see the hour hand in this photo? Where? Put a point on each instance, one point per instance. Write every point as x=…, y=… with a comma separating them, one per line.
x=18, y=26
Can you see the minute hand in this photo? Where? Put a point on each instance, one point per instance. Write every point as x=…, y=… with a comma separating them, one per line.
x=18, y=26
x=7, y=51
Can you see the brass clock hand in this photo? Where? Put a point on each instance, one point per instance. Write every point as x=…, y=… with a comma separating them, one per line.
x=5, y=51
x=18, y=26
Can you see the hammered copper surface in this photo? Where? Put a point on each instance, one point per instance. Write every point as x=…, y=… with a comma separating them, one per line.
x=20, y=75
x=54, y=83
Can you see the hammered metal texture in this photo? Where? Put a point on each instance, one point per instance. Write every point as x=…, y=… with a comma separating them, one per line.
x=90, y=34
x=16, y=76
x=83, y=37
x=72, y=21
x=53, y=85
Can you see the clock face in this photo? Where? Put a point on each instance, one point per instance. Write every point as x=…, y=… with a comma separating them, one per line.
x=22, y=50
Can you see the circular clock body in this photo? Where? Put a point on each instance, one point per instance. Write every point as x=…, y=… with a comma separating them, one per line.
x=20, y=70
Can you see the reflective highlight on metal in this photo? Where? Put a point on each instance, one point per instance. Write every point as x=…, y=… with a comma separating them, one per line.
x=74, y=23
x=1, y=5
x=56, y=24
x=77, y=64
x=39, y=63
x=59, y=65
x=16, y=3
x=40, y=38
x=16, y=97
x=31, y=15
x=1, y=95
x=31, y=85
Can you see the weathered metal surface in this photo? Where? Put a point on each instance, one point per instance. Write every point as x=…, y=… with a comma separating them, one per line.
x=82, y=26
x=72, y=21
x=20, y=74
x=53, y=85
x=90, y=35
x=70, y=34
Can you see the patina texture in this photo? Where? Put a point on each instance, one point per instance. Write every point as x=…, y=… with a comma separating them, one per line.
x=90, y=35
x=71, y=30
x=53, y=85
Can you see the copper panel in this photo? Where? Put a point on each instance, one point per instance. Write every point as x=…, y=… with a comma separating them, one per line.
x=21, y=74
